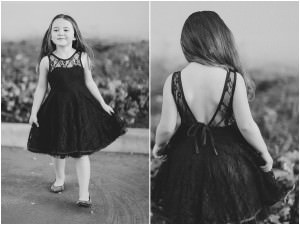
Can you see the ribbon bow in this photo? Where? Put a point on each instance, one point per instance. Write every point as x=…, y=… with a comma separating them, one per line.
x=205, y=131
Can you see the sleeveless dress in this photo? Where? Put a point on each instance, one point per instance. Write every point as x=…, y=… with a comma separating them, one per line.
x=211, y=174
x=72, y=123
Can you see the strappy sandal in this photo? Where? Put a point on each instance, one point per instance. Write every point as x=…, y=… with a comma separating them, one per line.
x=57, y=189
x=85, y=204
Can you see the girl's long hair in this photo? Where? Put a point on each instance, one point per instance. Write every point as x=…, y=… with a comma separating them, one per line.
x=79, y=44
x=206, y=39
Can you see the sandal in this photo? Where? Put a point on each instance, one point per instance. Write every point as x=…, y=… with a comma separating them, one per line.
x=83, y=203
x=57, y=189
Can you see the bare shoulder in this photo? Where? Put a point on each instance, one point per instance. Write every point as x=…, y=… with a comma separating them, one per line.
x=169, y=78
x=168, y=81
x=45, y=61
x=240, y=87
x=44, y=64
x=240, y=79
x=239, y=76
x=84, y=59
x=84, y=55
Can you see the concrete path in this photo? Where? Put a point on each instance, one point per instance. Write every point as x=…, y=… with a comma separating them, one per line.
x=119, y=189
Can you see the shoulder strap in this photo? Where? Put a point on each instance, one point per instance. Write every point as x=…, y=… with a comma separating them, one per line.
x=233, y=88
x=177, y=93
x=174, y=86
x=53, y=61
x=80, y=55
x=222, y=97
x=49, y=66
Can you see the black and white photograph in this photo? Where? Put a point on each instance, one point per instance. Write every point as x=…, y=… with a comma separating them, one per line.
x=224, y=112
x=150, y=112
x=75, y=112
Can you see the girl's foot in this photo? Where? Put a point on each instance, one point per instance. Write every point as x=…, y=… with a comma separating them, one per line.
x=58, y=182
x=83, y=203
x=57, y=189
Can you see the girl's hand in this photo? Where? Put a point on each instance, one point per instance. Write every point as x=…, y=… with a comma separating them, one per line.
x=155, y=152
x=269, y=162
x=108, y=109
x=33, y=120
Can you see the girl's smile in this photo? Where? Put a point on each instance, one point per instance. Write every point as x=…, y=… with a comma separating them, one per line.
x=62, y=32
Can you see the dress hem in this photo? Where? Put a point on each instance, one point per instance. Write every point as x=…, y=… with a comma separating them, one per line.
x=259, y=210
x=76, y=154
x=254, y=217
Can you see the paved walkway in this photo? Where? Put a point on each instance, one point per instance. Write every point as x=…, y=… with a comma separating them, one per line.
x=119, y=189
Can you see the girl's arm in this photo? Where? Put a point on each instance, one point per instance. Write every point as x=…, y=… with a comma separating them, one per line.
x=91, y=85
x=246, y=124
x=40, y=90
x=167, y=123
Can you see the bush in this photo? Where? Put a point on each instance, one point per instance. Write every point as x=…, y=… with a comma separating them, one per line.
x=120, y=72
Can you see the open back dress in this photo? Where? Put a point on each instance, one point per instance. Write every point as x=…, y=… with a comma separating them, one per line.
x=211, y=174
x=71, y=120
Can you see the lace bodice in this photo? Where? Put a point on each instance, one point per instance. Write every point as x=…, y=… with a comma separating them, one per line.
x=56, y=62
x=223, y=115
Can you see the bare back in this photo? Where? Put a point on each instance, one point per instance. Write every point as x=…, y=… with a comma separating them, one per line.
x=207, y=93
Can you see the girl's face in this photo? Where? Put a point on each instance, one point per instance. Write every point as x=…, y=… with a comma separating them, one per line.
x=62, y=32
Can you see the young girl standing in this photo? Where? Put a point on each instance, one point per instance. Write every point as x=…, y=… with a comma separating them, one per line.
x=217, y=168
x=74, y=120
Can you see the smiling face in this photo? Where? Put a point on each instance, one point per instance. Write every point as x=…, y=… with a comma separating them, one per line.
x=62, y=32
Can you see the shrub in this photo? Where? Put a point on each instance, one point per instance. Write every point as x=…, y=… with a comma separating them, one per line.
x=120, y=71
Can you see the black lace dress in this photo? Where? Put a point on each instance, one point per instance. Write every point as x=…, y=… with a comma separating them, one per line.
x=211, y=174
x=71, y=121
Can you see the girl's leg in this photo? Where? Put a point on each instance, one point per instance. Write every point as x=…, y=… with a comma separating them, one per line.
x=83, y=170
x=59, y=167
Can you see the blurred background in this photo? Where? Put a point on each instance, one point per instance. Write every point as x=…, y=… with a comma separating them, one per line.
x=267, y=38
x=118, y=35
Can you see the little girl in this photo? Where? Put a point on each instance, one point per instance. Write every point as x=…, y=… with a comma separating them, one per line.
x=217, y=167
x=74, y=120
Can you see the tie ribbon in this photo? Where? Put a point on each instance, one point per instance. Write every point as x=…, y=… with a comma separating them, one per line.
x=205, y=133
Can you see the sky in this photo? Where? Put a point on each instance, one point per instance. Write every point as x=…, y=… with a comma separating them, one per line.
x=105, y=20
x=266, y=33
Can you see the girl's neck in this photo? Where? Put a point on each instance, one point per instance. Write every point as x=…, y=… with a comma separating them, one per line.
x=64, y=52
x=194, y=66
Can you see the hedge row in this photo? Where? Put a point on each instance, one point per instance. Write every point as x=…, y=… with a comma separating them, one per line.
x=119, y=70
